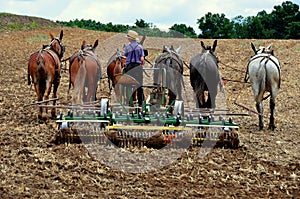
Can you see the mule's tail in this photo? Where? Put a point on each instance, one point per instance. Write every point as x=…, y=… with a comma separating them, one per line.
x=79, y=82
x=41, y=72
x=28, y=74
x=40, y=61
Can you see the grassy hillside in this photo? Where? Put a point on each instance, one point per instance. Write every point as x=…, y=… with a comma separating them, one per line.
x=20, y=22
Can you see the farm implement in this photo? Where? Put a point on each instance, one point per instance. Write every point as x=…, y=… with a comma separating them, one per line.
x=141, y=126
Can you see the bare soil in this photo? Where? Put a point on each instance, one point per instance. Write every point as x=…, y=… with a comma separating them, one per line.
x=266, y=165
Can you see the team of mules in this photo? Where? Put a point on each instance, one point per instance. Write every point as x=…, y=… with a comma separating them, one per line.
x=85, y=71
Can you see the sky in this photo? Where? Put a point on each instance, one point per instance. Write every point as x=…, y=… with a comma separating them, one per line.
x=161, y=13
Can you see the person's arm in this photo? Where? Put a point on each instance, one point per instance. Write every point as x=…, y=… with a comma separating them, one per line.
x=142, y=56
x=143, y=60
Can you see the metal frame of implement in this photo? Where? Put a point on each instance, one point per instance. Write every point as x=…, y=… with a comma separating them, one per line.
x=144, y=124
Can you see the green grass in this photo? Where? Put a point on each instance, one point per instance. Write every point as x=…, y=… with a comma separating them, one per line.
x=33, y=25
x=19, y=22
x=245, y=45
x=4, y=13
x=19, y=26
x=37, y=38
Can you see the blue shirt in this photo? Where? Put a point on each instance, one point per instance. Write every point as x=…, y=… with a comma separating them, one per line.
x=133, y=52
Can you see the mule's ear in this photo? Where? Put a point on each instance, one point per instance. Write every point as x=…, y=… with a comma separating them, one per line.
x=95, y=44
x=172, y=48
x=202, y=44
x=253, y=48
x=165, y=48
x=214, y=45
x=178, y=50
x=61, y=35
x=51, y=36
x=83, y=44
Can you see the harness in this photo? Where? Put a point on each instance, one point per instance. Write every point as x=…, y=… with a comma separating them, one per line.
x=56, y=64
x=62, y=48
x=84, y=52
x=169, y=55
x=264, y=56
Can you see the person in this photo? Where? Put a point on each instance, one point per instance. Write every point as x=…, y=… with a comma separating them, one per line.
x=134, y=54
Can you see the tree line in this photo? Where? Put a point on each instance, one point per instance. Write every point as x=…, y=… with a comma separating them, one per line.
x=282, y=23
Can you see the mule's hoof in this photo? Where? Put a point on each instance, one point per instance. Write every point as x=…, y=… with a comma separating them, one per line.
x=53, y=114
x=42, y=118
x=272, y=127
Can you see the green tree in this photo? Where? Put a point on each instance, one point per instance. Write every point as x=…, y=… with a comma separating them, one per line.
x=282, y=16
x=142, y=24
x=293, y=30
x=239, y=27
x=181, y=30
x=215, y=26
x=254, y=28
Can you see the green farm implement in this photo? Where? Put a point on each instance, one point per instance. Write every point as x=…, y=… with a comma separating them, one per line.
x=139, y=126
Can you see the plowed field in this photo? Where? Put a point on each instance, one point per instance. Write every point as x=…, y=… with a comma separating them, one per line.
x=266, y=165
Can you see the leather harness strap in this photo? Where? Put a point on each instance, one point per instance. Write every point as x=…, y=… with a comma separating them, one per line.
x=264, y=56
x=57, y=69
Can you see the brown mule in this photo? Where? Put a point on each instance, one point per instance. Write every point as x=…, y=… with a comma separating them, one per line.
x=44, y=69
x=85, y=72
x=114, y=70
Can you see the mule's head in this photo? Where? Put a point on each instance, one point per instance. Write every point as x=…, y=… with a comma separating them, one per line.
x=209, y=49
x=262, y=49
x=120, y=58
x=56, y=45
x=166, y=49
x=85, y=46
x=171, y=49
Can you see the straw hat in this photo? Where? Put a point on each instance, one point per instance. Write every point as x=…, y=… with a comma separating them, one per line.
x=132, y=35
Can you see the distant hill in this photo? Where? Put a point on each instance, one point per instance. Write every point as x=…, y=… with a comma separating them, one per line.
x=20, y=22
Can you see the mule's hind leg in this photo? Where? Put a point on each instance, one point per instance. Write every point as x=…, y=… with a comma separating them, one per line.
x=91, y=90
x=200, y=99
x=172, y=97
x=47, y=92
x=211, y=100
x=272, y=107
x=260, y=109
x=39, y=98
x=53, y=111
x=259, y=90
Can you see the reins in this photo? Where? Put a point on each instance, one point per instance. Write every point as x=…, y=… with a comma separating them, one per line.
x=244, y=107
x=227, y=66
